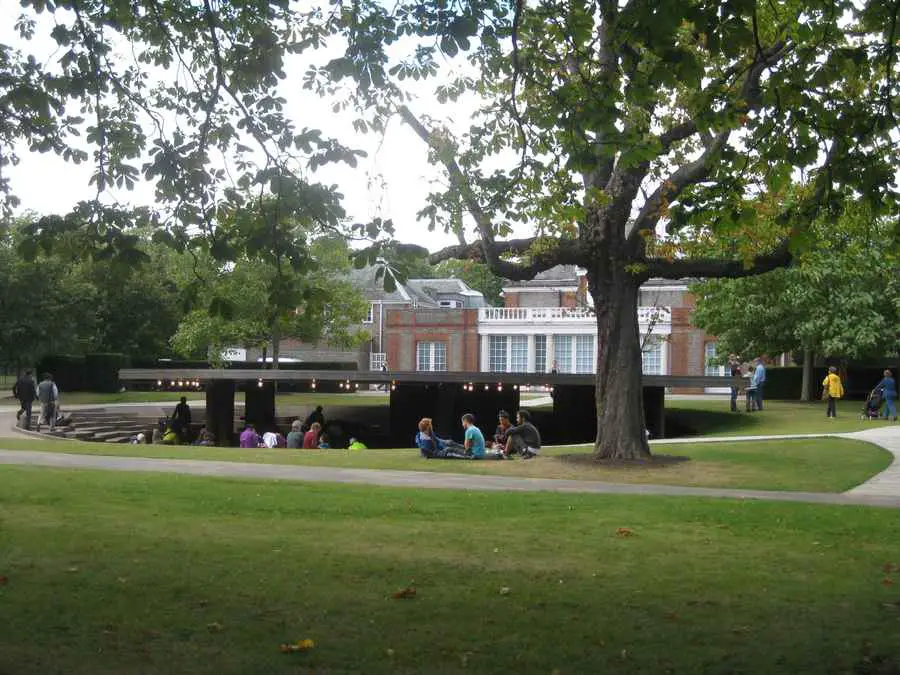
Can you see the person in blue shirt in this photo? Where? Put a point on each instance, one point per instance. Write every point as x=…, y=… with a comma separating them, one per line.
x=888, y=387
x=432, y=447
x=474, y=440
x=757, y=382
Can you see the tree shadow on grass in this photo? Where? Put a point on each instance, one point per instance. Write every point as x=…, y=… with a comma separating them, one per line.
x=685, y=422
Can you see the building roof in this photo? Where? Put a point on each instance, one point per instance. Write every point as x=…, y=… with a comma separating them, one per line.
x=561, y=275
x=372, y=286
x=429, y=292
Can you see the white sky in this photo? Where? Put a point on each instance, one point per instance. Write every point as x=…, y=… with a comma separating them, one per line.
x=47, y=184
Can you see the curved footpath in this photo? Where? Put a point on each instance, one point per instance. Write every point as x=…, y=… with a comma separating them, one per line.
x=880, y=490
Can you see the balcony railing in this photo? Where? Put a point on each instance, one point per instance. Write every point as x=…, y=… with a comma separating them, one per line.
x=646, y=315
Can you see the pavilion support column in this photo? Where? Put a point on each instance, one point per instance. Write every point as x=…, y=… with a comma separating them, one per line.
x=655, y=411
x=220, y=411
x=259, y=406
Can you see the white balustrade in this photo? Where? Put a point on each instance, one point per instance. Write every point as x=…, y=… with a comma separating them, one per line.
x=646, y=315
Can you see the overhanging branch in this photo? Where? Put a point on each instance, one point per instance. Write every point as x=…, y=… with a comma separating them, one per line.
x=716, y=268
x=488, y=250
x=563, y=252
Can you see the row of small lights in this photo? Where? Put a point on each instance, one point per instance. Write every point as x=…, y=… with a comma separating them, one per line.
x=180, y=383
x=471, y=387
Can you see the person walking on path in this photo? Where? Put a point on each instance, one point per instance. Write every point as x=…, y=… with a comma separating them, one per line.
x=48, y=395
x=757, y=382
x=888, y=388
x=832, y=390
x=25, y=390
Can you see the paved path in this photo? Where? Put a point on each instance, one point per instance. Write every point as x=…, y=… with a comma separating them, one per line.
x=881, y=490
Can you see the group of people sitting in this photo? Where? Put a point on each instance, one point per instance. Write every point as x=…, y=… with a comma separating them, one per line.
x=522, y=439
x=309, y=435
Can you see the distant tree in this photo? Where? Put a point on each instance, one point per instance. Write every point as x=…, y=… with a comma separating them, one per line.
x=840, y=298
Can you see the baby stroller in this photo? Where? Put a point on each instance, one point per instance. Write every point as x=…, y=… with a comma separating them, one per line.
x=873, y=405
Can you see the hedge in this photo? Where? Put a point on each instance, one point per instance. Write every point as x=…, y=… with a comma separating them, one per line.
x=785, y=383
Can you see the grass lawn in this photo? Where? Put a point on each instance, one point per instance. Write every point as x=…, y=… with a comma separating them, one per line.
x=813, y=465
x=126, y=573
x=711, y=417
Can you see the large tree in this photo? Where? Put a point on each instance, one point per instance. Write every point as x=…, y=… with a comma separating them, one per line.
x=632, y=136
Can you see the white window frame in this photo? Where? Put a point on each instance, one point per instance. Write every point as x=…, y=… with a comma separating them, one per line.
x=653, y=348
x=370, y=317
x=431, y=361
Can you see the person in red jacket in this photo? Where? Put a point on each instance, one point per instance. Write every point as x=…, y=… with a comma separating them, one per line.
x=311, y=437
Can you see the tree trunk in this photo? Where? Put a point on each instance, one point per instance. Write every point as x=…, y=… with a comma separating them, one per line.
x=621, y=431
x=806, y=386
x=276, y=345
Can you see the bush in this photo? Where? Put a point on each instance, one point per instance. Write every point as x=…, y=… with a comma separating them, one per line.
x=102, y=371
x=68, y=370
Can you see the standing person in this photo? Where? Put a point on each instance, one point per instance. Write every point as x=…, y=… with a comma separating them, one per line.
x=47, y=394
x=25, y=390
x=311, y=438
x=313, y=417
x=734, y=366
x=757, y=382
x=523, y=438
x=181, y=419
x=832, y=390
x=888, y=387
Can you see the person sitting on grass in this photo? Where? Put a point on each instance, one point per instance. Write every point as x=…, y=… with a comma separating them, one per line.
x=503, y=426
x=474, y=440
x=524, y=438
x=249, y=437
x=311, y=438
x=356, y=444
x=205, y=438
x=323, y=442
x=295, y=435
x=432, y=447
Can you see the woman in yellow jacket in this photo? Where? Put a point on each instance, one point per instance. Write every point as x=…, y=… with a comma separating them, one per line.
x=832, y=390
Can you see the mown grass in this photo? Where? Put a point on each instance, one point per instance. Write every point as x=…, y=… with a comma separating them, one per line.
x=813, y=465
x=711, y=417
x=126, y=573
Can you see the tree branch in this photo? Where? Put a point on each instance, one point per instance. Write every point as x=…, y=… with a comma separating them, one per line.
x=486, y=249
x=694, y=172
x=700, y=268
x=566, y=252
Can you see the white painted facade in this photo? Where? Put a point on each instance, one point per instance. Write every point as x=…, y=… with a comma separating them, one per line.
x=531, y=339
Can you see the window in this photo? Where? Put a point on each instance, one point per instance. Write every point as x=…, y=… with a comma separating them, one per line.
x=518, y=353
x=584, y=353
x=497, y=354
x=540, y=353
x=431, y=356
x=450, y=303
x=651, y=357
x=562, y=353
x=370, y=317
x=376, y=360
x=709, y=354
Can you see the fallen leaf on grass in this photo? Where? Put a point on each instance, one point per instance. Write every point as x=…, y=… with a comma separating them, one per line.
x=4, y=580
x=887, y=582
x=889, y=567
x=72, y=570
x=215, y=627
x=389, y=652
x=504, y=590
x=625, y=532
x=298, y=646
x=408, y=592
x=672, y=616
